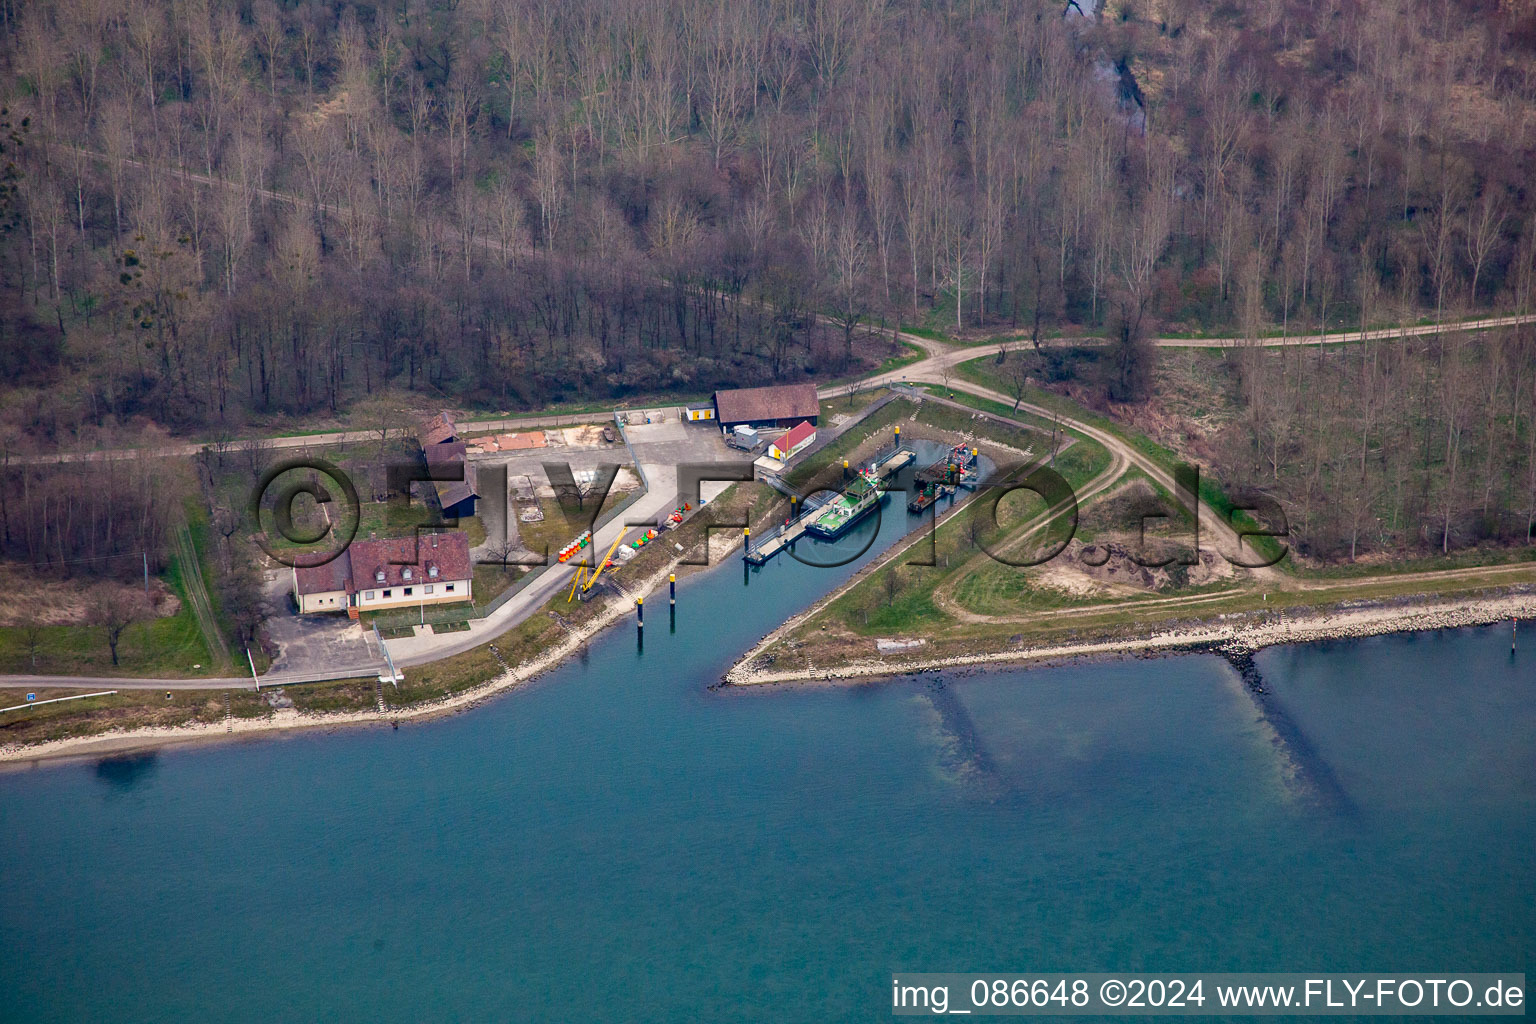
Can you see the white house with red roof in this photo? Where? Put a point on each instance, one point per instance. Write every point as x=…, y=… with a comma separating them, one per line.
x=792, y=440
x=396, y=572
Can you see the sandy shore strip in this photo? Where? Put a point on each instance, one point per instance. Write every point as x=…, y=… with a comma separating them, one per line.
x=120, y=741
x=1233, y=636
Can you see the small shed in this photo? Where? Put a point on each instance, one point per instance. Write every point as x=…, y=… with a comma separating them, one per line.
x=699, y=411
x=792, y=441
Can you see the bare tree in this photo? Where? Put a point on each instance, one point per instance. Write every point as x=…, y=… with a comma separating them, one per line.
x=1485, y=222
x=31, y=630
x=114, y=609
x=850, y=292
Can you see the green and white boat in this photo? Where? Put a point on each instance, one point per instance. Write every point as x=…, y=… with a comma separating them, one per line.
x=843, y=511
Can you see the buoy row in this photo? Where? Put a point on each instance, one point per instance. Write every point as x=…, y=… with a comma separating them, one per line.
x=647, y=537
x=575, y=546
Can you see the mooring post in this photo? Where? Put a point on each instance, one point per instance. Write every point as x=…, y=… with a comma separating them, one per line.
x=672, y=585
x=640, y=612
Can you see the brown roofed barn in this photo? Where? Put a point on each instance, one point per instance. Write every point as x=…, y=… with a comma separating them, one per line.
x=440, y=429
x=782, y=405
x=454, y=497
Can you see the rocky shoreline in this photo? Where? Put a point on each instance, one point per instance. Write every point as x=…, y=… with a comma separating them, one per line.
x=1236, y=641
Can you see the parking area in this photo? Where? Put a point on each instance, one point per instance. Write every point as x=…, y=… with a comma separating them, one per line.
x=673, y=443
x=312, y=643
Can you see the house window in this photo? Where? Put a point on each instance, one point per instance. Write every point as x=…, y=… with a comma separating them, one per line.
x=429, y=588
x=406, y=572
x=368, y=596
x=407, y=591
x=389, y=593
x=450, y=588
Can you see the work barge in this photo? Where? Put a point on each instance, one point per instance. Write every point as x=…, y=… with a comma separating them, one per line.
x=957, y=469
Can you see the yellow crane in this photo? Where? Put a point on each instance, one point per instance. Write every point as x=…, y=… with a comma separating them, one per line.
x=581, y=573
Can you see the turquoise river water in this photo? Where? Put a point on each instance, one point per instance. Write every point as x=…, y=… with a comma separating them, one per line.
x=616, y=842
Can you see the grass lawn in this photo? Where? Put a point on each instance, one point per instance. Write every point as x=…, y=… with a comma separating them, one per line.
x=204, y=543
x=1428, y=563
x=491, y=580
x=946, y=417
x=898, y=597
x=1078, y=464
x=530, y=638
x=422, y=683
x=169, y=646
x=848, y=405
x=374, y=518
x=814, y=644
x=997, y=589
x=524, y=642
x=880, y=422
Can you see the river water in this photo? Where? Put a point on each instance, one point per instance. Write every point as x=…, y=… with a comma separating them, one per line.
x=615, y=842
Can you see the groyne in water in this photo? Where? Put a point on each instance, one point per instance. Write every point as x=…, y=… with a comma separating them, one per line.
x=962, y=755
x=1312, y=776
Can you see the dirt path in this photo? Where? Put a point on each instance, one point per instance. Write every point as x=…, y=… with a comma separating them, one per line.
x=197, y=594
x=941, y=356
x=1210, y=521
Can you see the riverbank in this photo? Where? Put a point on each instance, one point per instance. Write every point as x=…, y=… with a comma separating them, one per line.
x=286, y=720
x=1231, y=636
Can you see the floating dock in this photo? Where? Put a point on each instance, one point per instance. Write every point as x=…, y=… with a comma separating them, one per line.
x=886, y=463
x=781, y=537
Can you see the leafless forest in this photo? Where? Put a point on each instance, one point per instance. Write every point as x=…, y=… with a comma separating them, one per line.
x=223, y=212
